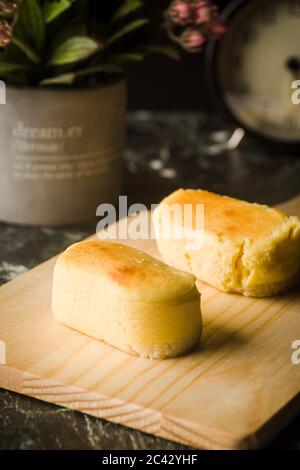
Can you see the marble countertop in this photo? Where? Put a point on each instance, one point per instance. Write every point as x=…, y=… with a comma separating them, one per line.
x=164, y=151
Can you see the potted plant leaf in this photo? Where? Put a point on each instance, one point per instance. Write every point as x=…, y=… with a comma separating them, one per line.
x=63, y=125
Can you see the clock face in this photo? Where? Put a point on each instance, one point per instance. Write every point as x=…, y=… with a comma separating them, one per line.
x=258, y=62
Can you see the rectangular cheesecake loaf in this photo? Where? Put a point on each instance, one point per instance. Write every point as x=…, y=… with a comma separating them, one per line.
x=126, y=298
x=247, y=248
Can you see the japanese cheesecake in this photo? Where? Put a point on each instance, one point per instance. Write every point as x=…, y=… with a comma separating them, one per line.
x=246, y=248
x=126, y=298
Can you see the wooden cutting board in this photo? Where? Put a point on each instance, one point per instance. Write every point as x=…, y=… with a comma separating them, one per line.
x=236, y=391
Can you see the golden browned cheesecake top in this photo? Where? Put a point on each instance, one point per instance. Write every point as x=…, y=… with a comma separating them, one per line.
x=231, y=217
x=128, y=268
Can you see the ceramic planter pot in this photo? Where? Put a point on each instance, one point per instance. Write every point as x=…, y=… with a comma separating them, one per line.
x=61, y=152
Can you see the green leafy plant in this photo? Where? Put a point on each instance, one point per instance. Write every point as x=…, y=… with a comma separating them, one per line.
x=74, y=42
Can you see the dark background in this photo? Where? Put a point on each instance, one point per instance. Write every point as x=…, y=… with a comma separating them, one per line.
x=159, y=83
x=162, y=84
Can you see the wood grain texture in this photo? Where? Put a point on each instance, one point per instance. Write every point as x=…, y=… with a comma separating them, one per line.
x=235, y=391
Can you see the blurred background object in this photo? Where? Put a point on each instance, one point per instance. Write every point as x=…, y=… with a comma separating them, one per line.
x=251, y=76
x=69, y=49
x=160, y=83
x=63, y=124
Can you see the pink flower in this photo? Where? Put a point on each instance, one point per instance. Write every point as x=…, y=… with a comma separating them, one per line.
x=190, y=22
x=5, y=33
x=204, y=12
x=180, y=12
x=192, y=39
x=8, y=7
x=217, y=28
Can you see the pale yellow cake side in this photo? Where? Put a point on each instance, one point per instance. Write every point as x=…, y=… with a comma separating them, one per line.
x=249, y=249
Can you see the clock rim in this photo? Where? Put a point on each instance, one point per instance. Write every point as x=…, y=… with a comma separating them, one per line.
x=213, y=82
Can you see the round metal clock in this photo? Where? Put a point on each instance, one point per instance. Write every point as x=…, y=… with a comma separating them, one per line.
x=256, y=67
